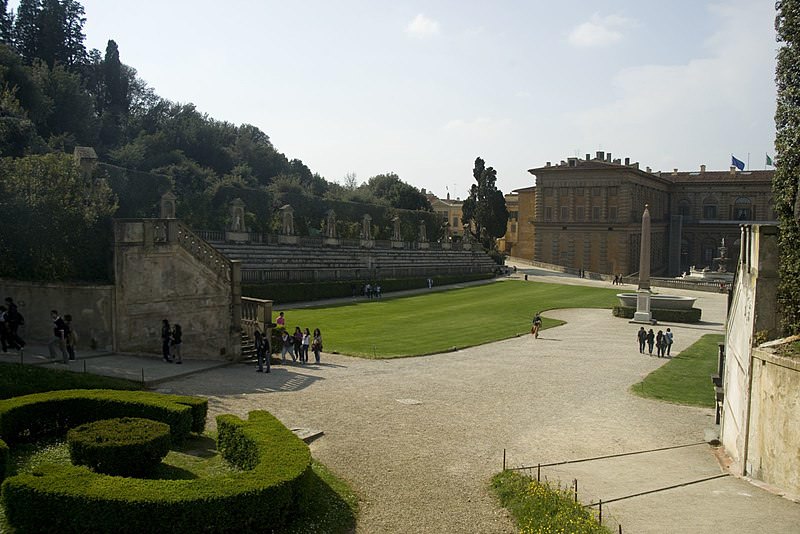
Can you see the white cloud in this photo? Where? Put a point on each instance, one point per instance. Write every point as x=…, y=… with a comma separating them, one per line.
x=600, y=31
x=422, y=27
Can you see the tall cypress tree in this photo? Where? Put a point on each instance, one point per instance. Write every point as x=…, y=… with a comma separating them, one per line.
x=6, y=23
x=50, y=30
x=787, y=168
x=26, y=29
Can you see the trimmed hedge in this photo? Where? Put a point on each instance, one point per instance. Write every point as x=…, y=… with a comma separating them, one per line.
x=3, y=459
x=672, y=316
x=286, y=292
x=126, y=446
x=53, y=413
x=257, y=499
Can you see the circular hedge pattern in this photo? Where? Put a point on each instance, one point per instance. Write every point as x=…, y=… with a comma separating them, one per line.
x=127, y=446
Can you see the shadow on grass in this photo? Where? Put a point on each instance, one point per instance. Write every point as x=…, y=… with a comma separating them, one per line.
x=329, y=505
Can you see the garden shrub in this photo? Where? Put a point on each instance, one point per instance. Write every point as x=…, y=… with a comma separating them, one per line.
x=276, y=469
x=672, y=316
x=33, y=416
x=127, y=446
x=3, y=459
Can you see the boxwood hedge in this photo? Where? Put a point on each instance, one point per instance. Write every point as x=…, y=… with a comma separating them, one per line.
x=275, y=472
x=673, y=316
x=33, y=416
x=123, y=446
x=3, y=459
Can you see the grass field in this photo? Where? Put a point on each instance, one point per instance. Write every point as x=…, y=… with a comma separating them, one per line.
x=439, y=321
x=686, y=379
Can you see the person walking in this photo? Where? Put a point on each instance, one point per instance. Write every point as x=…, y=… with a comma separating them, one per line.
x=316, y=344
x=281, y=321
x=298, y=344
x=72, y=336
x=536, y=325
x=669, y=337
x=641, y=336
x=261, y=351
x=4, y=341
x=286, y=347
x=175, y=343
x=166, y=337
x=14, y=320
x=59, y=337
x=651, y=339
x=660, y=344
x=306, y=342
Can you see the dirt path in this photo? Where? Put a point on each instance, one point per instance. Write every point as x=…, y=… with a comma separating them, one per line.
x=419, y=438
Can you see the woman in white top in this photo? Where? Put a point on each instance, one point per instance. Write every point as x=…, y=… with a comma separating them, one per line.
x=306, y=343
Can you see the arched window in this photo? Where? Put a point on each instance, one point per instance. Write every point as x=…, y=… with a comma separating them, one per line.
x=743, y=209
x=684, y=208
x=710, y=208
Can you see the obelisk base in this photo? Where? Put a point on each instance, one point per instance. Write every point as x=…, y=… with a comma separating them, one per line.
x=643, y=314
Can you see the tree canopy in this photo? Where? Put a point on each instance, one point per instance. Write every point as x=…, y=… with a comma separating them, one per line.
x=485, y=209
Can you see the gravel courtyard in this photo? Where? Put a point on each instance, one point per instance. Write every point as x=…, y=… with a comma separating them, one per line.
x=419, y=438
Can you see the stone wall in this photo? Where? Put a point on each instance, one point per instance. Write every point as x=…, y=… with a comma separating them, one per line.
x=758, y=410
x=91, y=308
x=164, y=271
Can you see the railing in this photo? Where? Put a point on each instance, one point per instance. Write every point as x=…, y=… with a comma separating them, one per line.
x=256, y=276
x=202, y=251
x=211, y=235
x=256, y=314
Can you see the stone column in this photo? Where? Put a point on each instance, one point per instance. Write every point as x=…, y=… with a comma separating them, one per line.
x=643, y=314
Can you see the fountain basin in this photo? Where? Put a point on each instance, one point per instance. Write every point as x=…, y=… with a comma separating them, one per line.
x=659, y=302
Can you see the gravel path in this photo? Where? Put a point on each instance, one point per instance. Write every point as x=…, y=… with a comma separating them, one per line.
x=419, y=438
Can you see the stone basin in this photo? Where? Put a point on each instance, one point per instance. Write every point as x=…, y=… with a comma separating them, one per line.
x=659, y=302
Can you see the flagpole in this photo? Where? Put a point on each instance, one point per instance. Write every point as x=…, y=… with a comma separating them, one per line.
x=748, y=161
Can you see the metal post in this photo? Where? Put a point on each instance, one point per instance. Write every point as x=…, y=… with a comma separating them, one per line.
x=538, y=472
x=620, y=528
x=576, y=490
x=601, y=512
x=504, y=459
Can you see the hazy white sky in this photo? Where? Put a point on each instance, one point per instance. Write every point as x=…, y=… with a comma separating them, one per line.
x=423, y=88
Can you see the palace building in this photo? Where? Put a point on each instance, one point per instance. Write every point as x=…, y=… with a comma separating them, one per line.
x=585, y=213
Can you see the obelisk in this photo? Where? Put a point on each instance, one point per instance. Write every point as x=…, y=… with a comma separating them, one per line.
x=643, y=314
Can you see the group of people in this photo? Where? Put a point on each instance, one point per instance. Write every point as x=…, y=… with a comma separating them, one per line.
x=298, y=344
x=171, y=342
x=10, y=321
x=662, y=341
x=617, y=280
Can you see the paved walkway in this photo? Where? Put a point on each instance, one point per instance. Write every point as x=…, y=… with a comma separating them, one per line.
x=419, y=438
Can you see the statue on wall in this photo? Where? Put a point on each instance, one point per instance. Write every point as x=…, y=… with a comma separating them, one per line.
x=237, y=215
x=168, y=205
x=366, y=227
x=287, y=220
x=396, y=235
x=330, y=225
x=423, y=232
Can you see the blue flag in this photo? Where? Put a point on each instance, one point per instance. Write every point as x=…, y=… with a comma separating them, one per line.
x=737, y=163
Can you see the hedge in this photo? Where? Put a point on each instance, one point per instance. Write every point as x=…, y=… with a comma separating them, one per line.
x=672, y=316
x=256, y=499
x=287, y=292
x=3, y=459
x=33, y=416
x=126, y=446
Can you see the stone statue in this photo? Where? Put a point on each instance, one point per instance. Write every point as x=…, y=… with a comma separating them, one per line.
x=396, y=235
x=423, y=232
x=331, y=224
x=287, y=220
x=366, y=227
x=237, y=215
x=168, y=205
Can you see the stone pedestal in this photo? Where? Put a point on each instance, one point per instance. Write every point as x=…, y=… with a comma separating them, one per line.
x=446, y=245
x=288, y=239
x=330, y=242
x=466, y=246
x=423, y=245
x=643, y=314
x=397, y=244
x=367, y=243
x=236, y=237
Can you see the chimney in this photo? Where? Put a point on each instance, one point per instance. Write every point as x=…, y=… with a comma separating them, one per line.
x=674, y=172
x=627, y=161
x=588, y=157
x=423, y=191
x=547, y=164
x=573, y=162
x=702, y=168
x=658, y=174
x=599, y=155
x=608, y=157
x=733, y=169
x=636, y=165
x=647, y=169
x=618, y=161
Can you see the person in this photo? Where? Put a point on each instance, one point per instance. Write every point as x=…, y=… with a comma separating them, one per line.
x=72, y=337
x=661, y=344
x=641, y=336
x=306, y=342
x=526, y=277
x=14, y=320
x=298, y=344
x=4, y=341
x=669, y=337
x=316, y=344
x=281, y=321
x=286, y=339
x=258, y=340
x=651, y=339
x=377, y=291
x=59, y=337
x=166, y=336
x=175, y=343
x=368, y=291
x=536, y=325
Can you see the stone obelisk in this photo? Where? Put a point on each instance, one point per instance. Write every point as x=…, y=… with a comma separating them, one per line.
x=643, y=314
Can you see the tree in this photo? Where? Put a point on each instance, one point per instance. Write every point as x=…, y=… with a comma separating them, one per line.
x=26, y=29
x=50, y=30
x=6, y=23
x=390, y=190
x=787, y=168
x=485, y=209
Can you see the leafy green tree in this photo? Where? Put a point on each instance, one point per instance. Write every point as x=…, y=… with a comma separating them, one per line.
x=56, y=222
x=390, y=190
x=485, y=208
x=50, y=30
x=787, y=168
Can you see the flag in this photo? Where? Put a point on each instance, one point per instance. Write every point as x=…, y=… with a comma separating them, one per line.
x=769, y=161
x=737, y=163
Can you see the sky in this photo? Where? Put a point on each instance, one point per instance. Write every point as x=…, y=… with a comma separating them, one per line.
x=423, y=88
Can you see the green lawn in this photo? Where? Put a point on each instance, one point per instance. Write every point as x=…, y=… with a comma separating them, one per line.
x=686, y=379
x=439, y=321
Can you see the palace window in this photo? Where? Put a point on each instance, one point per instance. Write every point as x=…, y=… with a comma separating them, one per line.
x=595, y=191
x=579, y=213
x=709, y=211
x=612, y=213
x=596, y=213
x=684, y=208
x=455, y=222
x=742, y=209
x=564, y=213
x=548, y=213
